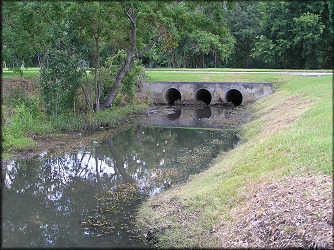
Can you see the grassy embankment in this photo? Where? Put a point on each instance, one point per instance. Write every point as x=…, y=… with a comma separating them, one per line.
x=24, y=122
x=290, y=134
x=28, y=74
x=238, y=70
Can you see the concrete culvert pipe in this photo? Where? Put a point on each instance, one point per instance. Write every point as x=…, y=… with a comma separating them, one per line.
x=171, y=95
x=234, y=96
x=203, y=95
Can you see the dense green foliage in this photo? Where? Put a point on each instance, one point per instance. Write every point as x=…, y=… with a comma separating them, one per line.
x=193, y=34
x=295, y=34
x=267, y=34
x=60, y=82
x=203, y=43
x=243, y=21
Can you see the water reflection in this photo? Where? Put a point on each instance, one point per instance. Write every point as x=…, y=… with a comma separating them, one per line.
x=204, y=112
x=174, y=115
x=87, y=198
x=197, y=117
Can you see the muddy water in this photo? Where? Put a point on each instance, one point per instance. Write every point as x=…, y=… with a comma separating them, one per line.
x=88, y=198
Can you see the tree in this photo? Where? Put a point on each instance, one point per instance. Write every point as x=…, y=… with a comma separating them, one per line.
x=18, y=28
x=43, y=28
x=166, y=22
x=131, y=11
x=243, y=21
x=204, y=40
x=95, y=23
x=296, y=34
x=308, y=30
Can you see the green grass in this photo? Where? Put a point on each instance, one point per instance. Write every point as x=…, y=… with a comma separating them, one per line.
x=237, y=69
x=206, y=69
x=216, y=77
x=290, y=133
x=17, y=143
x=23, y=69
x=7, y=75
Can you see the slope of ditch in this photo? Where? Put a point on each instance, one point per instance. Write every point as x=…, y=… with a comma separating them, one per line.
x=273, y=190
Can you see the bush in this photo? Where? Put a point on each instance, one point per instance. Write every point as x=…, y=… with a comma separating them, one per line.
x=60, y=81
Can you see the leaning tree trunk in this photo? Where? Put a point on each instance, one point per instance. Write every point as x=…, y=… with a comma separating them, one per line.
x=128, y=62
x=130, y=58
x=97, y=59
x=119, y=163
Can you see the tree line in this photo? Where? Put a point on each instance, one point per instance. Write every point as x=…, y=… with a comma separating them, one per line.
x=98, y=49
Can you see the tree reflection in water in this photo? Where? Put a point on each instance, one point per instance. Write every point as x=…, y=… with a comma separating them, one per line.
x=69, y=201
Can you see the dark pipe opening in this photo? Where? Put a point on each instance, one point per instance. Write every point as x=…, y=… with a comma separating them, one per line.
x=174, y=116
x=172, y=95
x=203, y=95
x=203, y=112
x=234, y=96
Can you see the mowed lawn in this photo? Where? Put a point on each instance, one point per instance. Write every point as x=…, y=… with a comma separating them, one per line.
x=214, y=77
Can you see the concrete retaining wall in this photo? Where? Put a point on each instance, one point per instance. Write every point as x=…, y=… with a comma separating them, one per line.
x=218, y=90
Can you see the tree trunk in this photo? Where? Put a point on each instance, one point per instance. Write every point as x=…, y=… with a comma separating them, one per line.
x=128, y=62
x=184, y=59
x=97, y=59
x=87, y=92
x=215, y=55
x=118, y=81
x=247, y=60
x=203, y=66
x=39, y=60
x=198, y=61
x=175, y=60
x=119, y=163
x=15, y=60
x=151, y=62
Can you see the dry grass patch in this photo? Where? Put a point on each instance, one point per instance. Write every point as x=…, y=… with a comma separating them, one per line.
x=294, y=212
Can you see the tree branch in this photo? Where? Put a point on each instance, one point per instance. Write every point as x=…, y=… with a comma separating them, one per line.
x=155, y=39
x=132, y=18
x=43, y=15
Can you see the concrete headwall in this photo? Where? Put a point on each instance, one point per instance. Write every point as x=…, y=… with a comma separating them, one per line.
x=220, y=91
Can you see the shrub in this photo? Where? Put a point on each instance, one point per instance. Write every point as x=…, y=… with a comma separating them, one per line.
x=60, y=81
